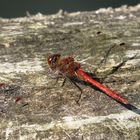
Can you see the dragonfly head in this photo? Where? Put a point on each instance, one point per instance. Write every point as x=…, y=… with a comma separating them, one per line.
x=53, y=60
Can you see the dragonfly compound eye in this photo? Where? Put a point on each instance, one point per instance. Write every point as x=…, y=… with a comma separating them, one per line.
x=52, y=59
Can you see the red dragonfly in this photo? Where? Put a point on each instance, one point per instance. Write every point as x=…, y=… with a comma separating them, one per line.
x=68, y=68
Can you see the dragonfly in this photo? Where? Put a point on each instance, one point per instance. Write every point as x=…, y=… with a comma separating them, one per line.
x=67, y=68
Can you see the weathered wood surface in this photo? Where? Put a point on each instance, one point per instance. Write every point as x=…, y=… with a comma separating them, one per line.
x=48, y=111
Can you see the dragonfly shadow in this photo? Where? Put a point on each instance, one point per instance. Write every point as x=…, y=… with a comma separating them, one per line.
x=127, y=106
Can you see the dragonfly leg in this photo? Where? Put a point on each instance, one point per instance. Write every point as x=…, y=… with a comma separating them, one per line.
x=79, y=88
x=57, y=79
x=65, y=79
x=63, y=82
